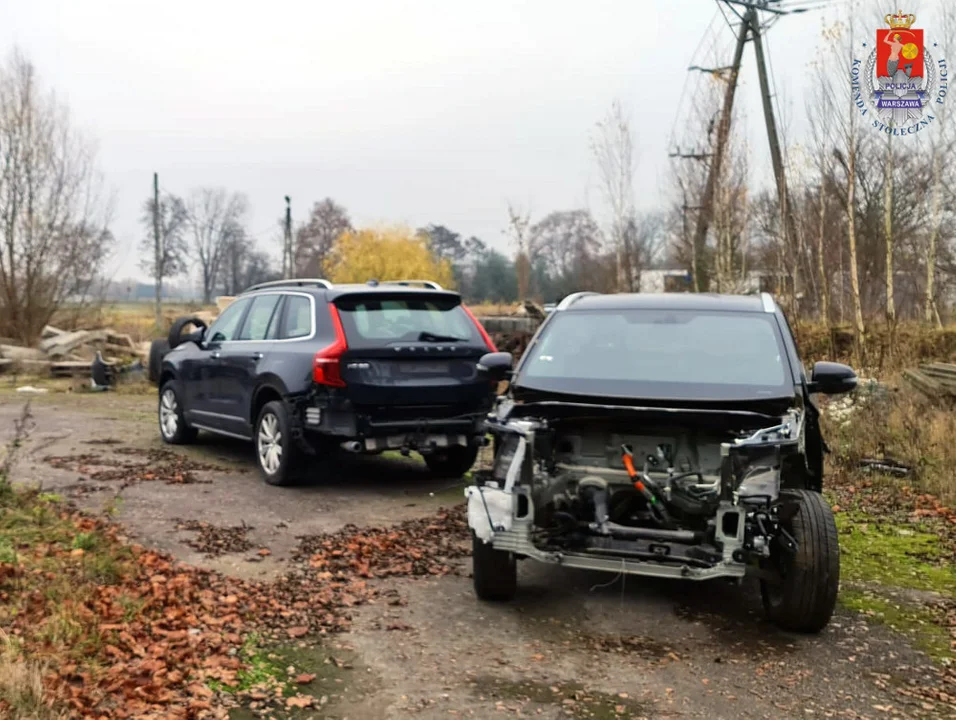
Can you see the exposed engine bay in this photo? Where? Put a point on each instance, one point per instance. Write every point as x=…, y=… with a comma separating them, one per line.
x=667, y=494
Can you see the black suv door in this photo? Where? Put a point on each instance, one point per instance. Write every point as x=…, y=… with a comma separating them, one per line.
x=239, y=362
x=201, y=383
x=408, y=352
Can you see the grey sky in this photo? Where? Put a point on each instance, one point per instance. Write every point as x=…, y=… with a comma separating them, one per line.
x=416, y=112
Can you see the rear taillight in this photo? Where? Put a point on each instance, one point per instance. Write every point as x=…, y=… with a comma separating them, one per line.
x=327, y=364
x=484, y=333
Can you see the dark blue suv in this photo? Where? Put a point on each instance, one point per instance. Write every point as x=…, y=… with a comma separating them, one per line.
x=304, y=369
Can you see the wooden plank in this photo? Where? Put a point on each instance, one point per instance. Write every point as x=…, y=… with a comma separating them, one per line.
x=70, y=369
x=64, y=344
x=18, y=352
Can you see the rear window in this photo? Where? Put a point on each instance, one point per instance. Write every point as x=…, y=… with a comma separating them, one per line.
x=376, y=322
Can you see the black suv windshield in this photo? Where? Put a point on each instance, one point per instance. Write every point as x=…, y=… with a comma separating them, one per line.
x=375, y=322
x=660, y=354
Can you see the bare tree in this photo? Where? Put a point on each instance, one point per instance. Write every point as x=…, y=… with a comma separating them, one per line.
x=613, y=149
x=519, y=222
x=314, y=240
x=942, y=146
x=215, y=220
x=53, y=219
x=169, y=259
x=243, y=266
x=569, y=242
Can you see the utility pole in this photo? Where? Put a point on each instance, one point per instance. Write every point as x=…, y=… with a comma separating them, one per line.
x=723, y=131
x=159, y=254
x=783, y=195
x=288, y=257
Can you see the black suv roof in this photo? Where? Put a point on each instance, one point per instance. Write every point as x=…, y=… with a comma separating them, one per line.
x=668, y=301
x=372, y=286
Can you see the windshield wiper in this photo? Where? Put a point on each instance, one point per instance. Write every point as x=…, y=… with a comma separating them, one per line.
x=426, y=336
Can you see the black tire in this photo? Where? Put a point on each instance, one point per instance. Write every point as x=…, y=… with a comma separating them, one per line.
x=494, y=572
x=274, y=418
x=172, y=423
x=176, y=337
x=805, y=600
x=451, y=462
x=157, y=351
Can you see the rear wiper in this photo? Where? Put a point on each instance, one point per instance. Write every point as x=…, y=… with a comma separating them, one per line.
x=426, y=336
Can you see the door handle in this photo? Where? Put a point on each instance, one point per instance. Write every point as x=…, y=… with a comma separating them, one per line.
x=215, y=355
x=257, y=355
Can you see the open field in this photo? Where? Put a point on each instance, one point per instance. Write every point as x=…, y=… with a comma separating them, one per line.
x=313, y=611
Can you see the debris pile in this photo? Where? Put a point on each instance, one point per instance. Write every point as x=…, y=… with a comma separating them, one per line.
x=62, y=353
x=213, y=541
x=936, y=380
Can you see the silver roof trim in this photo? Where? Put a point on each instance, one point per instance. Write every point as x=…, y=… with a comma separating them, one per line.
x=573, y=298
x=292, y=282
x=768, y=304
x=430, y=284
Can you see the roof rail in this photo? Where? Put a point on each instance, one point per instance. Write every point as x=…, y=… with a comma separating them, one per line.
x=430, y=284
x=573, y=298
x=293, y=282
x=768, y=304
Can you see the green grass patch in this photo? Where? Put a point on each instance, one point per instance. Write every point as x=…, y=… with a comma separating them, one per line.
x=908, y=618
x=894, y=554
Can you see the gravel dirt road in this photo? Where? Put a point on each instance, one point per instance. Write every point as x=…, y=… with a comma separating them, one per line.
x=573, y=644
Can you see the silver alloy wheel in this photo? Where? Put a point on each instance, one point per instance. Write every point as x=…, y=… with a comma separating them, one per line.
x=269, y=444
x=168, y=414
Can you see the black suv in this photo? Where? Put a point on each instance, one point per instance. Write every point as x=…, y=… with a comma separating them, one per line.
x=305, y=368
x=671, y=435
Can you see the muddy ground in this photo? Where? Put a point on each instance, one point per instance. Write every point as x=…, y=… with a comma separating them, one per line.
x=573, y=644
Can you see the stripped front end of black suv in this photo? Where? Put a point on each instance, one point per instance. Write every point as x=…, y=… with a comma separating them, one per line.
x=692, y=490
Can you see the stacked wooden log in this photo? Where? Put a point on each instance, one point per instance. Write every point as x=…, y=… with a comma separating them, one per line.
x=935, y=380
x=62, y=353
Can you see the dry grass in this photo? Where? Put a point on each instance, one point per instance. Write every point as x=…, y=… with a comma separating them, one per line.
x=22, y=695
x=907, y=428
x=138, y=320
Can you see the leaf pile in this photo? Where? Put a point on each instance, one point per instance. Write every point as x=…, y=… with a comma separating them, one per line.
x=414, y=547
x=213, y=541
x=135, y=465
x=126, y=632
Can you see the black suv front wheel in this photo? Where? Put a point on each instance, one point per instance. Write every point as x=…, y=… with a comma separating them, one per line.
x=276, y=451
x=804, y=597
x=172, y=423
x=451, y=462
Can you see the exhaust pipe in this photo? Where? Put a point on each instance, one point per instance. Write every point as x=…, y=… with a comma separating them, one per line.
x=353, y=446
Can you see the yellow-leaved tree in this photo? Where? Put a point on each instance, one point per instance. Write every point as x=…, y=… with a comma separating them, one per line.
x=391, y=253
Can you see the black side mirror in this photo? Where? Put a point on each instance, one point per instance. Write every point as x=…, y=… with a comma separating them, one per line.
x=832, y=378
x=496, y=366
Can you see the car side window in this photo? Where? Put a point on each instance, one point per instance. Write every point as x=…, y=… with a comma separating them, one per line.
x=297, y=318
x=226, y=326
x=257, y=320
x=273, y=330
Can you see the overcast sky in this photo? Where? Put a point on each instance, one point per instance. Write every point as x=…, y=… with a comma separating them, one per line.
x=403, y=111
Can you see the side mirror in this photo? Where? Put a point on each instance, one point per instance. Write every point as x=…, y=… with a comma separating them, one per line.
x=496, y=366
x=832, y=378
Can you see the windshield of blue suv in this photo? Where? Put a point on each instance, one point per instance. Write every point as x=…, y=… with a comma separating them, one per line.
x=660, y=354
x=377, y=322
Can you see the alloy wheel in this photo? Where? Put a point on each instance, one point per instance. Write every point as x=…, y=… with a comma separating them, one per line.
x=269, y=444
x=169, y=413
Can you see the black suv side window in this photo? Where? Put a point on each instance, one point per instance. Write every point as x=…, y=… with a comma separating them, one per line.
x=259, y=317
x=226, y=325
x=296, y=318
